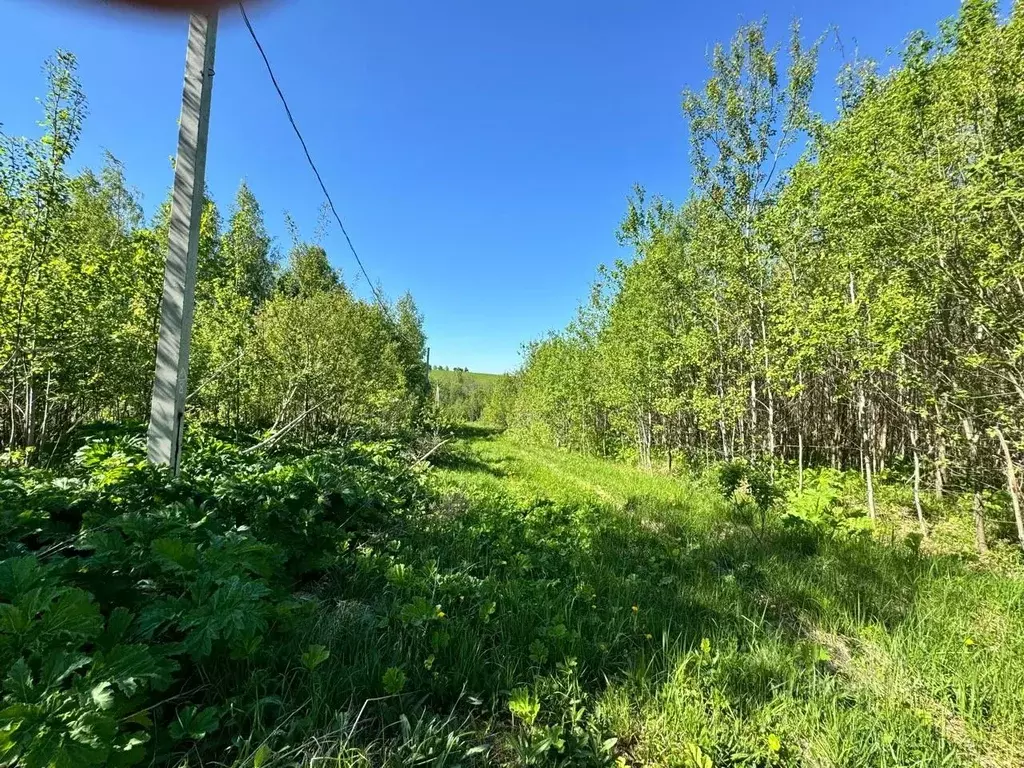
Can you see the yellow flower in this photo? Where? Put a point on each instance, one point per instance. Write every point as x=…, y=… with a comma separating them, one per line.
x=636, y=609
x=649, y=637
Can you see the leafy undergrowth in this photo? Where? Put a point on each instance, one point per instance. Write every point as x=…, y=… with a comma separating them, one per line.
x=520, y=607
x=145, y=618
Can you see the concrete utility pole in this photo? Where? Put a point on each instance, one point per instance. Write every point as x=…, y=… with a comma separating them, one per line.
x=167, y=416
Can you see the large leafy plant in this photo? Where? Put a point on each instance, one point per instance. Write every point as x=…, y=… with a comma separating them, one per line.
x=77, y=683
x=123, y=587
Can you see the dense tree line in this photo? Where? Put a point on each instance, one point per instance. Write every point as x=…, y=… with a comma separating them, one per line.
x=81, y=272
x=861, y=309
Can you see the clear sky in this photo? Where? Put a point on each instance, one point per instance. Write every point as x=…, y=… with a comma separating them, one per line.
x=480, y=153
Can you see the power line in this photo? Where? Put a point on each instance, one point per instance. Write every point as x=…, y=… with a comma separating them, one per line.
x=309, y=159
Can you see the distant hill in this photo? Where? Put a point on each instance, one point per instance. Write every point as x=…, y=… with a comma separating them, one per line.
x=451, y=376
x=462, y=395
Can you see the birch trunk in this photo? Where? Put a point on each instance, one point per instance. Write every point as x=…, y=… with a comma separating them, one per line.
x=977, y=508
x=1011, y=485
x=917, y=482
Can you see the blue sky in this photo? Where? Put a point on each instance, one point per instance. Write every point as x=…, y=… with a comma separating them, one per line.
x=480, y=153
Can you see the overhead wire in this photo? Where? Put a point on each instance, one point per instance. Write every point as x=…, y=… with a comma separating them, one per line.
x=309, y=158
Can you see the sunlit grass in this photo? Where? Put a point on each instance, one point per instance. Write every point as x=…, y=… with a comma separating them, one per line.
x=554, y=609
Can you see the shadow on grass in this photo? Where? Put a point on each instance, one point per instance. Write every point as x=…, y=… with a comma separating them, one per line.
x=472, y=430
x=497, y=594
x=462, y=461
x=457, y=457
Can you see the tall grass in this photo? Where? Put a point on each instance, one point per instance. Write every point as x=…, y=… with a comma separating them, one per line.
x=552, y=609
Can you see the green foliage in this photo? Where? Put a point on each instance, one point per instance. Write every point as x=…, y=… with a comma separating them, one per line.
x=314, y=656
x=838, y=294
x=523, y=706
x=527, y=606
x=285, y=349
x=194, y=724
x=695, y=757
x=638, y=621
x=738, y=479
x=500, y=407
x=815, y=333
x=121, y=586
x=816, y=503
x=393, y=680
x=73, y=679
x=462, y=396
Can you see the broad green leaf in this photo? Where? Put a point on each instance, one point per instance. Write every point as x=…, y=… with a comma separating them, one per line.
x=128, y=750
x=394, y=680
x=37, y=600
x=18, y=575
x=13, y=620
x=314, y=656
x=261, y=756
x=60, y=664
x=19, y=681
x=176, y=554
x=73, y=613
x=102, y=695
x=129, y=667
x=194, y=724
x=119, y=621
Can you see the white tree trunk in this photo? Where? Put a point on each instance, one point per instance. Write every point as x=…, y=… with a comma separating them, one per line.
x=1011, y=485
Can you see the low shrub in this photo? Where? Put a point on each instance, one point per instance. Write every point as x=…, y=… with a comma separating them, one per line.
x=135, y=606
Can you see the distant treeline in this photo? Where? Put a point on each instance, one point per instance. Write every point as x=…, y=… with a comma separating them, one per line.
x=459, y=394
x=846, y=293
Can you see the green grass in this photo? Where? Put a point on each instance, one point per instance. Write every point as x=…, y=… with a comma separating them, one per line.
x=552, y=609
x=438, y=376
x=509, y=605
x=462, y=396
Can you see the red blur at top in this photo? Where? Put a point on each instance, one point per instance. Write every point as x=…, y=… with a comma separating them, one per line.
x=173, y=5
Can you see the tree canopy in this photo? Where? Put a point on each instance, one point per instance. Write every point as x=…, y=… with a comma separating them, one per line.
x=81, y=274
x=846, y=293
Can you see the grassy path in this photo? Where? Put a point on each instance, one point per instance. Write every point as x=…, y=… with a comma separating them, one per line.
x=649, y=611
x=568, y=477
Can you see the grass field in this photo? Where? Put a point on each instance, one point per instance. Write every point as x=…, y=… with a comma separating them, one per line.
x=509, y=605
x=437, y=376
x=641, y=620
x=535, y=607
